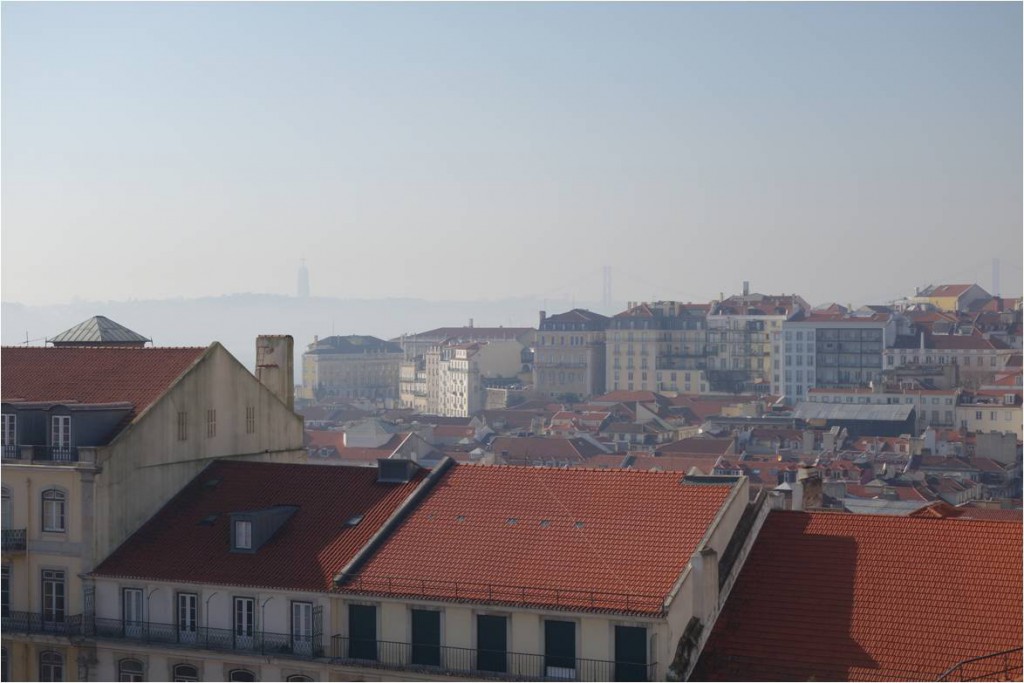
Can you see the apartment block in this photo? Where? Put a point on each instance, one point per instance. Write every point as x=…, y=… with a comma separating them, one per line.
x=569, y=357
x=657, y=346
x=351, y=367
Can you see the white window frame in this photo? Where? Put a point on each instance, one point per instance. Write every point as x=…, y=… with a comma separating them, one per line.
x=54, y=504
x=60, y=431
x=243, y=534
x=10, y=429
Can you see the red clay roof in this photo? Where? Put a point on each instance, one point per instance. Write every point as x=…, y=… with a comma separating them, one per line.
x=568, y=538
x=305, y=554
x=946, y=290
x=93, y=374
x=824, y=596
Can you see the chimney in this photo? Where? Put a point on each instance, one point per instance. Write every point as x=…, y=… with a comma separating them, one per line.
x=704, y=564
x=471, y=322
x=922, y=340
x=543, y=316
x=275, y=366
x=746, y=287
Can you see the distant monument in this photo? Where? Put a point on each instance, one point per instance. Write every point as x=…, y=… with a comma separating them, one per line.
x=303, y=291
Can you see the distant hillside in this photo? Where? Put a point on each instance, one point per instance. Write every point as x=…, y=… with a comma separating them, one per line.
x=235, y=320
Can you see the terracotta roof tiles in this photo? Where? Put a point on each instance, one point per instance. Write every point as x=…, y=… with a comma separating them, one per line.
x=93, y=374
x=823, y=596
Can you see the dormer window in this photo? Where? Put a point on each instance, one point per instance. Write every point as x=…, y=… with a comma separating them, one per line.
x=243, y=535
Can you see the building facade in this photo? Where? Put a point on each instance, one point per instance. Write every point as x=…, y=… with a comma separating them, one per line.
x=657, y=346
x=352, y=367
x=569, y=358
x=462, y=372
x=85, y=430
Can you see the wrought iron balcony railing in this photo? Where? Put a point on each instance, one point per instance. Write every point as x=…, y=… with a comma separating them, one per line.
x=39, y=622
x=55, y=454
x=483, y=664
x=265, y=643
x=13, y=540
x=11, y=452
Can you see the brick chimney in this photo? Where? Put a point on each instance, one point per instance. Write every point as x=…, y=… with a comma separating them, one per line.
x=275, y=366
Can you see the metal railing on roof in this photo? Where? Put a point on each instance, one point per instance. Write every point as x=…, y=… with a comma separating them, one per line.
x=998, y=666
x=468, y=591
x=482, y=664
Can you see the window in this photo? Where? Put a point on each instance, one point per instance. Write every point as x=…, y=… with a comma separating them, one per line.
x=131, y=609
x=243, y=535
x=426, y=637
x=559, y=649
x=7, y=510
x=51, y=666
x=61, y=431
x=211, y=423
x=186, y=673
x=10, y=429
x=491, y=643
x=630, y=653
x=5, y=666
x=362, y=632
x=245, y=623
x=188, y=613
x=977, y=415
x=53, y=596
x=53, y=510
x=5, y=592
x=302, y=628
x=182, y=425
x=241, y=675
x=250, y=420
x=130, y=670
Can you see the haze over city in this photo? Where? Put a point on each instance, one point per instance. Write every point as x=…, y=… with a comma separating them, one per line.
x=478, y=151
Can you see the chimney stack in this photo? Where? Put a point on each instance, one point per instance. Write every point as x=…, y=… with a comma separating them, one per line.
x=543, y=316
x=275, y=362
x=746, y=287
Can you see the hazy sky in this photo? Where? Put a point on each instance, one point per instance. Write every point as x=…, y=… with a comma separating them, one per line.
x=842, y=151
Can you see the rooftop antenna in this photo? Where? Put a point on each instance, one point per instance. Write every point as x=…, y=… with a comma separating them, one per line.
x=606, y=291
x=995, y=277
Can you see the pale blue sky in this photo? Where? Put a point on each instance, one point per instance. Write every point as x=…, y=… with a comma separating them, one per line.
x=842, y=151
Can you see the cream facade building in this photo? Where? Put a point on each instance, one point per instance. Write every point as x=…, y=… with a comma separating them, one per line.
x=351, y=367
x=276, y=616
x=658, y=346
x=95, y=441
x=458, y=374
x=569, y=358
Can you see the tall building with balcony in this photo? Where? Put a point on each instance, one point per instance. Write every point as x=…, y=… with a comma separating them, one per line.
x=740, y=334
x=351, y=367
x=830, y=350
x=412, y=384
x=569, y=357
x=97, y=436
x=657, y=346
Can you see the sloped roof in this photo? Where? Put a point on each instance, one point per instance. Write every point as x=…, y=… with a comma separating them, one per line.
x=98, y=330
x=852, y=411
x=946, y=290
x=305, y=554
x=701, y=445
x=557, y=537
x=93, y=374
x=352, y=344
x=823, y=596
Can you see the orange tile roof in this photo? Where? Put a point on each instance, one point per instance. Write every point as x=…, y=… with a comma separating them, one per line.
x=93, y=374
x=305, y=554
x=824, y=596
x=568, y=538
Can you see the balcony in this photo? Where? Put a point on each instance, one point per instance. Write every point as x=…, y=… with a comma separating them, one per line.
x=13, y=540
x=36, y=622
x=482, y=664
x=261, y=643
x=56, y=455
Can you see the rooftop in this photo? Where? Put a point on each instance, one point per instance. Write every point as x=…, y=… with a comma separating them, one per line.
x=556, y=537
x=98, y=330
x=93, y=374
x=838, y=604
x=305, y=554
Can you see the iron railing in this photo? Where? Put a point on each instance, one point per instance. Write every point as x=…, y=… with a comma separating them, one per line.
x=998, y=666
x=55, y=454
x=13, y=540
x=38, y=622
x=11, y=452
x=482, y=664
x=263, y=643
x=532, y=596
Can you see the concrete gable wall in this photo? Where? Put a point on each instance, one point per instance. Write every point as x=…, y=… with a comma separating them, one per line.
x=147, y=464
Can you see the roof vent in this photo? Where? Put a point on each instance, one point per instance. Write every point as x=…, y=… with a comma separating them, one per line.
x=208, y=520
x=395, y=470
x=354, y=520
x=512, y=521
x=545, y=523
x=579, y=525
x=211, y=483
